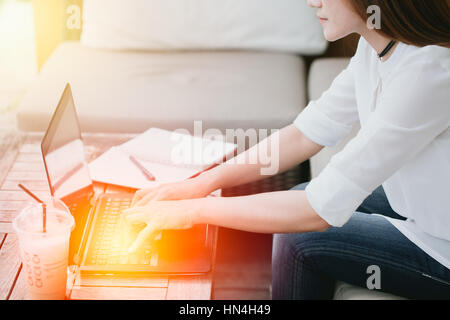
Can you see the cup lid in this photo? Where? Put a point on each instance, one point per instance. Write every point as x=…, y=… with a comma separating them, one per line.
x=58, y=219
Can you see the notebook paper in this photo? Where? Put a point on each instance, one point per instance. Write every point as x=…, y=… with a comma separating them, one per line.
x=168, y=156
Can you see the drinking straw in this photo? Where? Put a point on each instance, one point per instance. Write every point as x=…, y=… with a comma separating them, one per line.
x=44, y=218
x=44, y=206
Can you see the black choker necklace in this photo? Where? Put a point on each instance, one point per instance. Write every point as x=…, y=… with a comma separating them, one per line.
x=386, y=50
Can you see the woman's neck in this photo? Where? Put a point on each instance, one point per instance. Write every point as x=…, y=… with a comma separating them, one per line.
x=378, y=42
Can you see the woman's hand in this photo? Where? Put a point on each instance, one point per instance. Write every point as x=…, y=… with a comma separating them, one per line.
x=159, y=215
x=186, y=189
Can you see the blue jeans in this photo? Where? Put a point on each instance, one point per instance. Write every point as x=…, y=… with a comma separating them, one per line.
x=307, y=265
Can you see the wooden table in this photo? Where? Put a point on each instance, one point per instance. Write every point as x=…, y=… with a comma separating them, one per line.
x=21, y=162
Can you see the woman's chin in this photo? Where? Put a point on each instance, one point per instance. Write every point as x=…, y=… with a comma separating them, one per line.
x=331, y=36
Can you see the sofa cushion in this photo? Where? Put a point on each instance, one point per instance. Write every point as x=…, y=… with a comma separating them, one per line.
x=345, y=291
x=130, y=91
x=284, y=25
x=322, y=73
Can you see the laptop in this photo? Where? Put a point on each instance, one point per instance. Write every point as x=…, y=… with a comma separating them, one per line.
x=100, y=240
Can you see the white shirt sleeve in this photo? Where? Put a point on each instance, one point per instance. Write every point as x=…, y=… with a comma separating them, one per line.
x=411, y=112
x=329, y=119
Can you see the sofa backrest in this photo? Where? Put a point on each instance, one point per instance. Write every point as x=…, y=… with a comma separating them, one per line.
x=288, y=26
x=61, y=20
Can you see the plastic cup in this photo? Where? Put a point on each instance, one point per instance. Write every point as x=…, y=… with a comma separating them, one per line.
x=45, y=254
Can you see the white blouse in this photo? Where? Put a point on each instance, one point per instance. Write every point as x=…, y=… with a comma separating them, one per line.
x=403, y=106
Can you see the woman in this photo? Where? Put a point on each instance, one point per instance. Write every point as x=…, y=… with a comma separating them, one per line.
x=398, y=166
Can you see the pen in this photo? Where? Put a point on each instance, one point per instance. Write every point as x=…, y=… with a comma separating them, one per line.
x=144, y=171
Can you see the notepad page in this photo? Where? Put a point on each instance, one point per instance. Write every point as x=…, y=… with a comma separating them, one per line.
x=115, y=167
x=168, y=156
x=177, y=149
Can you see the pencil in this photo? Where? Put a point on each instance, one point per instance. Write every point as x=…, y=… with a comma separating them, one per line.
x=144, y=171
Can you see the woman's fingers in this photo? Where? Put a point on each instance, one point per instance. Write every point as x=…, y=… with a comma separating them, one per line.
x=133, y=215
x=156, y=195
x=144, y=200
x=142, y=194
x=160, y=193
x=142, y=236
x=138, y=196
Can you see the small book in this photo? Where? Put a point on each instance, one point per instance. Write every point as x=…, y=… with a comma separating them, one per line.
x=168, y=156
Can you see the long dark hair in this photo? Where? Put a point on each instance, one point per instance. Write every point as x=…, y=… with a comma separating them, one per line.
x=416, y=22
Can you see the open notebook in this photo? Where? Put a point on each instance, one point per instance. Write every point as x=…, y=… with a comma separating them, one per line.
x=167, y=155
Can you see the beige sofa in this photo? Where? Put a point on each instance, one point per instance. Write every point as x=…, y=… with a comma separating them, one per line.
x=129, y=91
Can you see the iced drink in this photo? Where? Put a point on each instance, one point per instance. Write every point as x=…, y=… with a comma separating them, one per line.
x=45, y=254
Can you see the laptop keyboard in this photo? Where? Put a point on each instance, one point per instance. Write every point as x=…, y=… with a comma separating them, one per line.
x=112, y=237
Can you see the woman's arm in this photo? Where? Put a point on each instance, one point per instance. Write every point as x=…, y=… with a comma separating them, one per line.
x=285, y=149
x=271, y=212
x=274, y=212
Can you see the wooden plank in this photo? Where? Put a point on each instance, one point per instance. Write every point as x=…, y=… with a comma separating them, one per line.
x=9, y=148
x=19, y=291
x=14, y=205
x=190, y=288
x=122, y=281
x=7, y=216
x=6, y=227
x=29, y=157
x=117, y=293
x=2, y=238
x=36, y=185
x=9, y=264
x=20, y=195
x=28, y=147
x=25, y=175
x=28, y=166
x=33, y=137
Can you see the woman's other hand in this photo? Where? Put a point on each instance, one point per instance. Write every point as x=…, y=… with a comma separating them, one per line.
x=157, y=216
x=186, y=189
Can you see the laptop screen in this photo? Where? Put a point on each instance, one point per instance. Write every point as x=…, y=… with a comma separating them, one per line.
x=63, y=150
